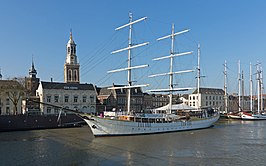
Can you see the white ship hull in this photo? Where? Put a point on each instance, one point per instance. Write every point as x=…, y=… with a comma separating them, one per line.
x=253, y=117
x=109, y=127
x=231, y=116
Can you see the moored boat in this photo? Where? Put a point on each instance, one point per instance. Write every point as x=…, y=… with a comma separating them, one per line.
x=36, y=122
x=131, y=123
x=259, y=114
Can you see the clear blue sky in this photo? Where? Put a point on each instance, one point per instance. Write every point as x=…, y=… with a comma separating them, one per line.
x=227, y=30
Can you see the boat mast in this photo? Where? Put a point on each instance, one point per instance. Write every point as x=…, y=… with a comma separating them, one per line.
x=198, y=79
x=171, y=88
x=242, y=88
x=129, y=67
x=171, y=69
x=258, y=81
x=250, y=87
x=225, y=88
x=261, y=87
x=239, y=87
x=129, y=64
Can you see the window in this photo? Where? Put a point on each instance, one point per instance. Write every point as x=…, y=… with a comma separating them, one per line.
x=206, y=103
x=48, y=110
x=84, y=99
x=56, y=110
x=206, y=97
x=48, y=99
x=0, y=110
x=75, y=99
x=66, y=99
x=69, y=75
x=210, y=97
x=7, y=101
x=7, y=110
x=56, y=98
x=75, y=75
x=92, y=99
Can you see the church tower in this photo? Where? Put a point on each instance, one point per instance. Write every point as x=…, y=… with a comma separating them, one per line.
x=71, y=67
x=32, y=82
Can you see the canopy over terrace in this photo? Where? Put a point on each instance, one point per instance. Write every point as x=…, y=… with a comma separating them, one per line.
x=175, y=107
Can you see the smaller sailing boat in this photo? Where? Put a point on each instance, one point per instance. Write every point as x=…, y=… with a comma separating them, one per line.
x=259, y=115
x=150, y=123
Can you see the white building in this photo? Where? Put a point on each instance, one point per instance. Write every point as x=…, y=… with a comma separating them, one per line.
x=81, y=97
x=207, y=97
x=71, y=94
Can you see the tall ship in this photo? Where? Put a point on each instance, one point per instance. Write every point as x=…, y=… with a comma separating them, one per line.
x=152, y=122
x=258, y=114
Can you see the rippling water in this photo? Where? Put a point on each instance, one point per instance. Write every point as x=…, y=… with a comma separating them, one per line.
x=229, y=142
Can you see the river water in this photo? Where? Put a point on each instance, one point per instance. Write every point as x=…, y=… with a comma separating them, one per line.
x=229, y=142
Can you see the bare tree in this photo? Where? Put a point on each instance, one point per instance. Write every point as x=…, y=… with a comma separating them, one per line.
x=14, y=90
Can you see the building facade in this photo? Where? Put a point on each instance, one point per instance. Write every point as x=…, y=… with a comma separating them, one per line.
x=81, y=97
x=116, y=99
x=207, y=97
x=70, y=94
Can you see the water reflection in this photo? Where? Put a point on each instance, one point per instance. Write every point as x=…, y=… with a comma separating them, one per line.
x=227, y=143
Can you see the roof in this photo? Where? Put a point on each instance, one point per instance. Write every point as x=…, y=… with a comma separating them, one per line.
x=66, y=86
x=212, y=91
x=106, y=91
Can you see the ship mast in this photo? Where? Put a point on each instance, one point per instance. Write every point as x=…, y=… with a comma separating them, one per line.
x=239, y=87
x=198, y=79
x=129, y=67
x=250, y=87
x=171, y=88
x=225, y=88
x=261, y=87
x=258, y=80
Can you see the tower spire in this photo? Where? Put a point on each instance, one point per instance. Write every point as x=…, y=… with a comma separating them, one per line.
x=32, y=70
x=71, y=67
x=71, y=38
